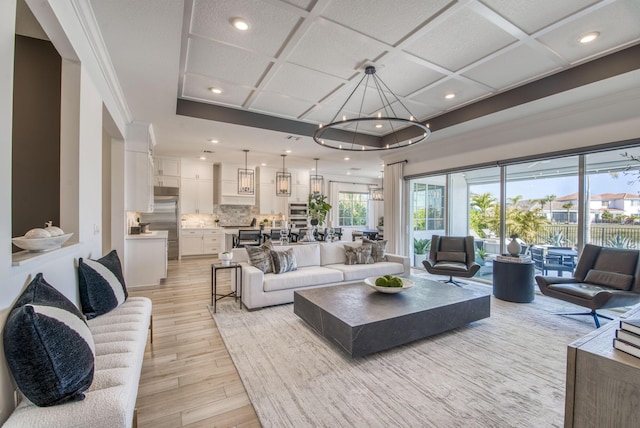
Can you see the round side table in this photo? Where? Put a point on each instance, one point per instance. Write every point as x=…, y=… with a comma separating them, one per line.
x=513, y=282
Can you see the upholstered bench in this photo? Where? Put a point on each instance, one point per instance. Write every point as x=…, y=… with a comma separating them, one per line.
x=73, y=368
x=120, y=337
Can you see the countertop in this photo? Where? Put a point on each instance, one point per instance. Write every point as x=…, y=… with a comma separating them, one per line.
x=154, y=234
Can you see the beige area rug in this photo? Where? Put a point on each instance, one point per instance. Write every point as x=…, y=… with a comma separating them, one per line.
x=504, y=371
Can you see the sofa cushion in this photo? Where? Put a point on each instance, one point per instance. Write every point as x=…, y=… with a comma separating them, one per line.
x=303, y=277
x=260, y=257
x=283, y=261
x=48, y=346
x=451, y=256
x=615, y=280
x=360, y=272
x=358, y=255
x=378, y=250
x=333, y=252
x=307, y=254
x=101, y=284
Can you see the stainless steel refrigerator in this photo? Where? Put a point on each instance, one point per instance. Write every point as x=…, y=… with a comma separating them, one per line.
x=165, y=216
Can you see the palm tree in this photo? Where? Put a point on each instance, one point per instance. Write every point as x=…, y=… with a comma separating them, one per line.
x=549, y=199
x=482, y=206
x=568, y=207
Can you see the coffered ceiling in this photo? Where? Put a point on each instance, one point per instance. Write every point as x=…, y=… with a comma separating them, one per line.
x=300, y=59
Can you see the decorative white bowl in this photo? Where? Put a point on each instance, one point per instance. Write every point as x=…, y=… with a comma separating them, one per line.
x=38, y=245
x=371, y=282
x=225, y=258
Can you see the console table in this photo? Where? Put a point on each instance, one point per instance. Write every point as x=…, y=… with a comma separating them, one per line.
x=603, y=384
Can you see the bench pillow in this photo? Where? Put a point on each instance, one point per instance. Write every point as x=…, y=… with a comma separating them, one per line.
x=619, y=281
x=101, y=284
x=283, y=261
x=48, y=346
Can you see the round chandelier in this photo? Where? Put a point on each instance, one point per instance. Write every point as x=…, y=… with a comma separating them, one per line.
x=384, y=130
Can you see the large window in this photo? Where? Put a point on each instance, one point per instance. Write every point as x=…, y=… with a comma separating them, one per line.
x=352, y=208
x=428, y=206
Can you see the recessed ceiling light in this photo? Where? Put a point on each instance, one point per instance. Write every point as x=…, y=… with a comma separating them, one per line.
x=348, y=173
x=214, y=141
x=263, y=164
x=346, y=158
x=203, y=158
x=378, y=125
x=215, y=90
x=240, y=24
x=450, y=96
x=287, y=151
x=589, y=37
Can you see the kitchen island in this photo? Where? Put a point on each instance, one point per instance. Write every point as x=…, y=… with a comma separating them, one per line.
x=145, y=260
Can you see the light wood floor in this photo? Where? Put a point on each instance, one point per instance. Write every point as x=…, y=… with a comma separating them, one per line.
x=188, y=378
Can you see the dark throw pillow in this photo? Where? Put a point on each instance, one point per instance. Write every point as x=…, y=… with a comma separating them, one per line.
x=358, y=255
x=102, y=286
x=260, y=257
x=48, y=346
x=283, y=261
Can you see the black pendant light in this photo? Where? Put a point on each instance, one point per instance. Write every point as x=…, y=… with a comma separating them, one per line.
x=283, y=181
x=316, y=182
x=246, y=182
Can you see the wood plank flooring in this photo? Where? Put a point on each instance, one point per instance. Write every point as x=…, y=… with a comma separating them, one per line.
x=188, y=378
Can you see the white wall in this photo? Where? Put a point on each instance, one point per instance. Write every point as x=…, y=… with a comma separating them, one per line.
x=87, y=96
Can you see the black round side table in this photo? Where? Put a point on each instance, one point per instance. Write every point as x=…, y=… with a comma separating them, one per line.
x=513, y=282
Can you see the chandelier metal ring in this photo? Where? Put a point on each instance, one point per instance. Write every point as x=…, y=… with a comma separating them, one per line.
x=361, y=133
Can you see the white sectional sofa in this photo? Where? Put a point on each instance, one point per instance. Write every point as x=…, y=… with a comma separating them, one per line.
x=318, y=265
x=120, y=338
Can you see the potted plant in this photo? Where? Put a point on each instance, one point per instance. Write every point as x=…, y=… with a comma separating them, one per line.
x=318, y=208
x=217, y=222
x=420, y=248
x=481, y=256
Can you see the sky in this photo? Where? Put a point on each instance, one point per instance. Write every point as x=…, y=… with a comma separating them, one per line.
x=562, y=186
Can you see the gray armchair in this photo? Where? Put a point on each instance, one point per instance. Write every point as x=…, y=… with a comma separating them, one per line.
x=452, y=256
x=604, y=278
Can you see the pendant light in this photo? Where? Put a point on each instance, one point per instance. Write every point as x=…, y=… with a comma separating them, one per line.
x=316, y=182
x=377, y=193
x=246, y=182
x=283, y=181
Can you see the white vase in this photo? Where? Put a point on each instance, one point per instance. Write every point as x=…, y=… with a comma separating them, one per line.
x=513, y=247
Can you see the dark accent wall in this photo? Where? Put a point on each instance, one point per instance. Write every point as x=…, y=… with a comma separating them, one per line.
x=35, y=196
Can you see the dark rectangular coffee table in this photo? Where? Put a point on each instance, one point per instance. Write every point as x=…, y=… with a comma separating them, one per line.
x=361, y=320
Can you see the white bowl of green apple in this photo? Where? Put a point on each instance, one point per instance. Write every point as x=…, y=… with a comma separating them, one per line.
x=388, y=284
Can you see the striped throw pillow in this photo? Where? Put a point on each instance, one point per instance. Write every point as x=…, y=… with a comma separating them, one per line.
x=284, y=261
x=101, y=284
x=48, y=346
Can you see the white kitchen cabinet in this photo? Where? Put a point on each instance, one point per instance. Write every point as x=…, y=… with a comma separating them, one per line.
x=196, y=196
x=226, y=186
x=166, y=171
x=166, y=181
x=168, y=167
x=300, y=188
x=146, y=258
x=139, y=168
x=139, y=181
x=195, y=242
x=196, y=170
x=268, y=202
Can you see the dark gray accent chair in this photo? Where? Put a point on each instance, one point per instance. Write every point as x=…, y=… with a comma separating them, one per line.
x=452, y=256
x=604, y=278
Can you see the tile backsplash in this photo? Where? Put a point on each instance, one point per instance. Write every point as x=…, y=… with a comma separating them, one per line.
x=235, y=215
